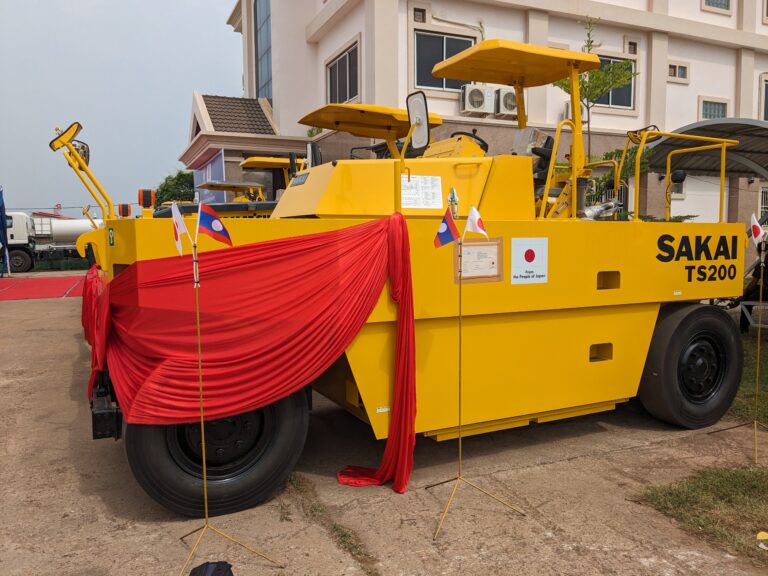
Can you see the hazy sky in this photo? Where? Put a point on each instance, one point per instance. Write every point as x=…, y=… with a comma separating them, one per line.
x=125, y=70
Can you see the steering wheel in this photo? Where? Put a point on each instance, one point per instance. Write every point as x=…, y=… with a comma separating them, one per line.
x=480, y=142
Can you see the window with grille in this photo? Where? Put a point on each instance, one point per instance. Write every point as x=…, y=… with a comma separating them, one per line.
x=718, y=4
x=622, y=97
x=342, y=77
x=678, y=72
x=432, y=48
x=763, y=202
x=711, y=110
x=764, y=89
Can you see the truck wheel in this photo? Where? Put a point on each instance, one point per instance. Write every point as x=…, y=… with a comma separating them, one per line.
x=249, y=456
x=693, y=368
x=20, y=261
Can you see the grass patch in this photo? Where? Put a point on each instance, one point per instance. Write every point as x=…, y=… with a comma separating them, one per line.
x=743, y=406
x=725, y=506
x=347, y=540
x=303, y=492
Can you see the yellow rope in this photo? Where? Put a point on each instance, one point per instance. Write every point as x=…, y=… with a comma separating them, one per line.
x=759, y=337
x=207, y=524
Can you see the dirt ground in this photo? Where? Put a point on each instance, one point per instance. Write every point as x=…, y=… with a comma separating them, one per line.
x=69, y=505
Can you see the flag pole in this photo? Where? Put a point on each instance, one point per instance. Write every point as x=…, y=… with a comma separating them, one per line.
x=206, y=525
x=459, y=476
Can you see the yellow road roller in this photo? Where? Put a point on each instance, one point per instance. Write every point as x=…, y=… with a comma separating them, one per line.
x=566, y=310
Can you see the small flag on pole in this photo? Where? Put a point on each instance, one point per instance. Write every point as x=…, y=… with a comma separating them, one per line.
x=757, y=230
x=475, y=223
x=447, y=232
x=179, y=228
x=208, y=222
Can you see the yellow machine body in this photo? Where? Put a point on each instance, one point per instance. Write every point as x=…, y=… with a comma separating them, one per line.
x=567, y=339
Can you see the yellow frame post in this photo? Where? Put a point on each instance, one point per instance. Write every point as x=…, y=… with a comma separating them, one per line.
x=522, y=116
x=722, y=143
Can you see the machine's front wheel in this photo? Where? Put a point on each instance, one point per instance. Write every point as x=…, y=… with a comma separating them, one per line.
x=693, y=368
x=249, y=456
x=20, y=261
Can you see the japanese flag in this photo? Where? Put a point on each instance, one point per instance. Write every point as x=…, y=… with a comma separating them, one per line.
x=757, y=230
x=475, y=223
x=179, y=227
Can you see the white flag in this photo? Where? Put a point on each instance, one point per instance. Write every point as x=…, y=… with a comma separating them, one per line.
x=475, y=223
x=757, y=230
x=179, y=227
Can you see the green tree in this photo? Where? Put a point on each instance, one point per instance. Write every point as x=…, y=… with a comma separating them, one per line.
x=179, y=187
x=595, y=84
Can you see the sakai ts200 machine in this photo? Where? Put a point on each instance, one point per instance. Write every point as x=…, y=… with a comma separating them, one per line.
x=578, y=312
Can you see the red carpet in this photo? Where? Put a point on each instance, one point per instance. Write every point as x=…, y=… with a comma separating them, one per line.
x=14, y=288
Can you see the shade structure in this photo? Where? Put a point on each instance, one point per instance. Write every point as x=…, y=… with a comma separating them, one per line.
x=513, y=63
x=365, y=120
x=749, y=158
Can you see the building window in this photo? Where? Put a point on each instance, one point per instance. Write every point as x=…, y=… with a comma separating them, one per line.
x=711, y=109
x=631, y=45
x=623, y=97
x=678, y=72
x=432, y=48
x=342, y=77
x=722, y=6
x=420, y=15
x=677, y=191
x=763, y=202
x=263, y=41
x=764, y=97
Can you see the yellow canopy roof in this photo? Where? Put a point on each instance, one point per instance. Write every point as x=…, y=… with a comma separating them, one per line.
x=507, y=62
x=266, y=162
x=366, y=120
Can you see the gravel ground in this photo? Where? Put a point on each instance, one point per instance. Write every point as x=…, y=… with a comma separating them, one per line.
x=71, y=507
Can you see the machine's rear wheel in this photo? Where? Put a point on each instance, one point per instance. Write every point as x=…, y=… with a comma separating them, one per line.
x=249, y=456
x=20, y=261
x=693, y=368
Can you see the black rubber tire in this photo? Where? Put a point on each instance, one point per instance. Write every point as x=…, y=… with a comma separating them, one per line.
x=20, y=261
x=693, y=368
x=167, y=470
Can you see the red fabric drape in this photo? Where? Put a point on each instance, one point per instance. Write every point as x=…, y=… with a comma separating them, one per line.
x=92, y=287
x=274, y=316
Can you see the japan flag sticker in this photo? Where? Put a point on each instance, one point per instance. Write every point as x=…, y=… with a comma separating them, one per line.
x=530, y=260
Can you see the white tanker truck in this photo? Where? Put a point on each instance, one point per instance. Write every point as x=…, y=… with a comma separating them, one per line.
x=36, y=238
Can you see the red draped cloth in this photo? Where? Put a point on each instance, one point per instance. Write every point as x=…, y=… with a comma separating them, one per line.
x=274, y=316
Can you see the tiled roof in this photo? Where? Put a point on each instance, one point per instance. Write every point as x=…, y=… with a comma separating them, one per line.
x=244, y=115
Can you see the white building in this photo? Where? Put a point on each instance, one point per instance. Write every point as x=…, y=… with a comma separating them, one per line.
x=695, y=59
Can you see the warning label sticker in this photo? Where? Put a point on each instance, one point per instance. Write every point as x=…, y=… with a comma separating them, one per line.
x=530, y=260
x=421, y=191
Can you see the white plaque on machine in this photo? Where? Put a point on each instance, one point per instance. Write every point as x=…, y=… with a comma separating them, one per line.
x=482, y=261
x=425, y=192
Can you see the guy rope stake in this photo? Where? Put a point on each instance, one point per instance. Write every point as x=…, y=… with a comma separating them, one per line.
x=207, y=525
x=755, y=421
x=459, y=476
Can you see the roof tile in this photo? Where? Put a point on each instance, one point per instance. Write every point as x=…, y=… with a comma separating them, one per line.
x=243, y=115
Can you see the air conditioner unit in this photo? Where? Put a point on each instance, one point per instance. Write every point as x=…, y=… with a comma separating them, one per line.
x=506, y=103
x=568, y=113
x=477, y=100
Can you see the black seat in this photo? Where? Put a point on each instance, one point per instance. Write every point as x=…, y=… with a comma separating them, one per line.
x=544, y=153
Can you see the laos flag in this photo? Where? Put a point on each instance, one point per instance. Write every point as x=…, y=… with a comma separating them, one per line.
x=208, y=222
x=447, y=232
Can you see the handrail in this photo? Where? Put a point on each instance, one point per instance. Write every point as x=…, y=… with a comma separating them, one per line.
x=722, y=143
x=550, y=170
x=615, y=173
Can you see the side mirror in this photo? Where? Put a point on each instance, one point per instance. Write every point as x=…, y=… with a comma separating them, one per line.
x=292, y=169
x=418, y=118
x=83, y=149
x=678, y=176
